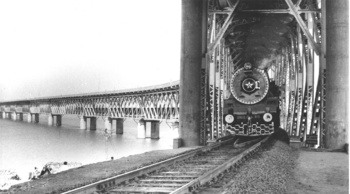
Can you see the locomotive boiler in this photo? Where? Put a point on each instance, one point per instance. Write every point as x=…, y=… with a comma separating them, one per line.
x=253, y=106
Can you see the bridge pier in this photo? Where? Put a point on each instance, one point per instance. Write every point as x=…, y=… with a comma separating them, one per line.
x=50, y=120
x=29, y=117
x=108, y=123
x=175, y=133
x=20, y=116
x=141, y=129
x=155, y=129
x=58, y=120
x=35, y=117
x=93, y=123
x=190, y=71
x=337, y=68
x=14, y=116
x=120, y=126
x=83, y=122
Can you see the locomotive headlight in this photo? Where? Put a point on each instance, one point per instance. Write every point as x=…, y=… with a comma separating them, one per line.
x=229, y=118
x=267, y=117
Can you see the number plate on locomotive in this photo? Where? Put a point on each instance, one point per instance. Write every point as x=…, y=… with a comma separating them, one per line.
x=246, y=117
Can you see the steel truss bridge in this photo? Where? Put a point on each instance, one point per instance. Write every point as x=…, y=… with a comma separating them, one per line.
x=298, y=69
x=150, y=103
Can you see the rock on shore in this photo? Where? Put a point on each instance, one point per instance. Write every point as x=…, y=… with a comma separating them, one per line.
x=8, y=178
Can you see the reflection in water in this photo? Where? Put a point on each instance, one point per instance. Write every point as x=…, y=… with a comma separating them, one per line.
x=24, y=146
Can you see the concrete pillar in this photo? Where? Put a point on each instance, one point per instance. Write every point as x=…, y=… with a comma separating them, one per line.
x=20, y=116
x=190, y=71
x=93, y=123
x=4, y=115
x=29, y=117
x=337, y=69
x=83, y=122
x=108, y=123
x=58, y=120
x=36, y=118
x=154, y=129
x=175, y=133
x=141, y=129
x=50, y=119
x=14, y=116
x=120, y=126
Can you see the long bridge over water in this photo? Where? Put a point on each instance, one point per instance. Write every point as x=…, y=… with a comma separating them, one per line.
x=298, y=42
x=147, y=104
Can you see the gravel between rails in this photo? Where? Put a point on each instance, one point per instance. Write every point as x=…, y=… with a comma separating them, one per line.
x=268, y=171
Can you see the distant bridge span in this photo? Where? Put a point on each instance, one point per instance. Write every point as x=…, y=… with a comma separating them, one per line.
x=152, y=104
x=158, y=102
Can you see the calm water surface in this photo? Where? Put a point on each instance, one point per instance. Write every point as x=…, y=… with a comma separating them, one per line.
x=24, y=146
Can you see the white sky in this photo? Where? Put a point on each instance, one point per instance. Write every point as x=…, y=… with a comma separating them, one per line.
x=59, y=47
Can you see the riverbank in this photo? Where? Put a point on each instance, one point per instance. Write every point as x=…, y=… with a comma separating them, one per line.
x=57, y=183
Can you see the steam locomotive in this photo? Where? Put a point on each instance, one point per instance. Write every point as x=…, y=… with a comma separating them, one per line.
x=253, y=107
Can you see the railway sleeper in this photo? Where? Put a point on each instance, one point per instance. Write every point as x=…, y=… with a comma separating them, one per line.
x=171, y=177
x=165, y=181
x=176, y=173
x=142, y=190
x=154, y=185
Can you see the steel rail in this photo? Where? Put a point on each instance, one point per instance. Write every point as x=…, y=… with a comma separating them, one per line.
x=215, y=172
x=113, y=181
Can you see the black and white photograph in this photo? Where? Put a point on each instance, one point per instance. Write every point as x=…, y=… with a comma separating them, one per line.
x=174, y=96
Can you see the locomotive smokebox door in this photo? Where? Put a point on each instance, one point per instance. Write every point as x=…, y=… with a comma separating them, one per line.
x=251, y=110
x=249, y=85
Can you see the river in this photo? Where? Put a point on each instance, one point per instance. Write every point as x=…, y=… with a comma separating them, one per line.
x=24, y=146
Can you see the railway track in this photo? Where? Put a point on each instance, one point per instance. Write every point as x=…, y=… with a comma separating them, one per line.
x=181, y=174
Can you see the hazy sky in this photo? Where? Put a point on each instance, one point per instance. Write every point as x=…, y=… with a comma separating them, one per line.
x=59, y=47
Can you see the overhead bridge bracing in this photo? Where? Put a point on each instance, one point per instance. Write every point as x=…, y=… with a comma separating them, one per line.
x=150, y=103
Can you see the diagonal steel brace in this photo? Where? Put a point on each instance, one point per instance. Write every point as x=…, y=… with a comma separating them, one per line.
x=294, y=11
x=222, y=31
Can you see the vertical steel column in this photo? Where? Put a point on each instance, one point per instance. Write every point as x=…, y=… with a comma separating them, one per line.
x=295, y=92
x=337, y=40
x=288, y=90
x=303, y=113
x=204, y=72
x=190, y=74
x=322, y=75
x=212, y=88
